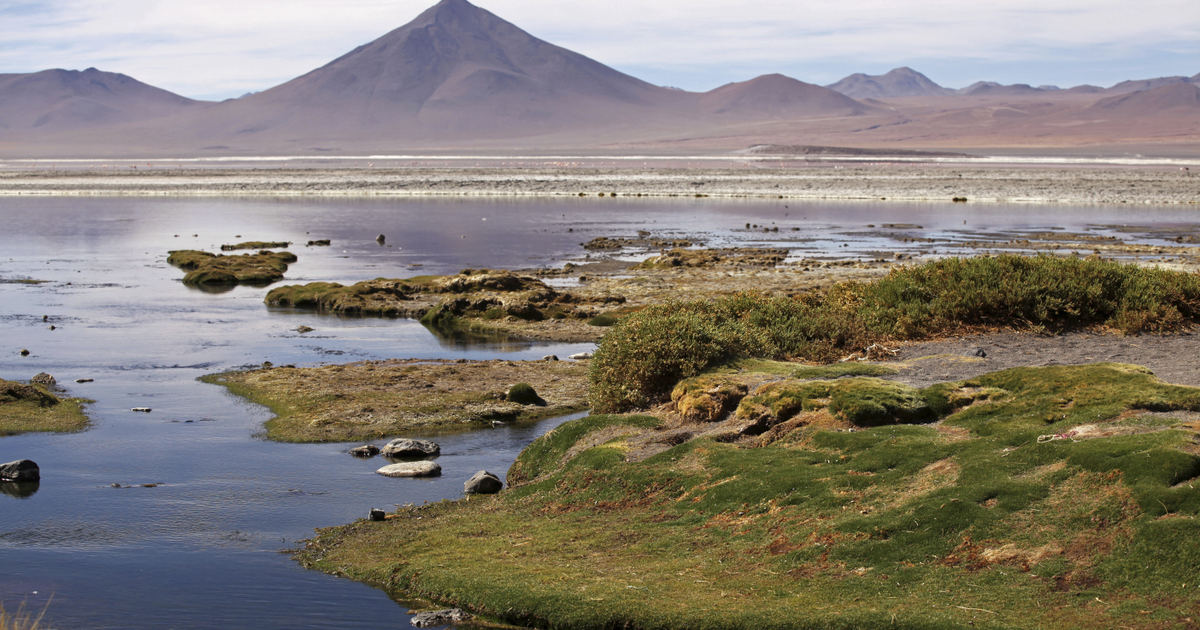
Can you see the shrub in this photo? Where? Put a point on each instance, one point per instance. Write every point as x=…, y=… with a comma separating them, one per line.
x=524, y=394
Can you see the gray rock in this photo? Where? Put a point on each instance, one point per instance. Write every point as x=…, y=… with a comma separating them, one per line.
x=141, y=409
x=405, y=447
x=24, y=352
x=366, y=450
x=304, y=329
x=975, y=352
x=580, y=356
x=43, y=378
x=20, y=470
x=411, y=469
x=435, y=618
x=550, y=357
x=84, y=380
x=381, y=239
x=376, y=514
x=483, y=482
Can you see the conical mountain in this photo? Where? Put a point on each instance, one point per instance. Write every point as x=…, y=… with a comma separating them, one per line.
x=456, y=68
x=778, y=96
x=67, y=100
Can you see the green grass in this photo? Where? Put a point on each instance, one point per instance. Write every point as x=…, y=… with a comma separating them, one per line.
x=969, y=523
x=204, y=268
x=646, y=353
x=27, y=408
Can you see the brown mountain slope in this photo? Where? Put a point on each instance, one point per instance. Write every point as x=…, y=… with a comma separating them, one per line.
x=777, y=96
x=1160, y=100
x=65, y=100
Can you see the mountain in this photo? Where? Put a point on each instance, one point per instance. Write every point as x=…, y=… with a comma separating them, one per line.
x=66, y=100
x=1183, y=97
x=456, y=69
x=777, y=96
x=1144, y=84
x=896, y=83
x=991, y=88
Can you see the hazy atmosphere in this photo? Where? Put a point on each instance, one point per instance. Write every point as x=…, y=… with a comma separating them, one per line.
x=222, y=49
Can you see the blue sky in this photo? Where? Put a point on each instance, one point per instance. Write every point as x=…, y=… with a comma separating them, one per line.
x=224, y=48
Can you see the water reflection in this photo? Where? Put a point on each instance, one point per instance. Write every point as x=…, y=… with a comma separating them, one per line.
x=19, y=489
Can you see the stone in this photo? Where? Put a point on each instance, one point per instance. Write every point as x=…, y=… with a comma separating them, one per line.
x=405, y=447
x=975, y=352
x=381, y=239
x=304, y=329
x=483, y=482
x=434, y=618
x=20, y=470
x=366, y=450
x=84, y=380
x=141, y=409
x=581, y=356
x=24, y=352
x=376, y=514
x=550, y=357
x=411, y=469
x=43, y=378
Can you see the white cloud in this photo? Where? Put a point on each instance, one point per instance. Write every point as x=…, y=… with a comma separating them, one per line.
x=225, y=47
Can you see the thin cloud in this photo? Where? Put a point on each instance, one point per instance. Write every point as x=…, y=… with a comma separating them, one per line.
x=221, y=48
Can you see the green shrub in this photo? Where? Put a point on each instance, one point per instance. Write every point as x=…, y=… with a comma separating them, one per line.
x=524, y=394
x=646, y=353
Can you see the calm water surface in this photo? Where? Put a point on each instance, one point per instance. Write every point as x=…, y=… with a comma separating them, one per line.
x=202, y=549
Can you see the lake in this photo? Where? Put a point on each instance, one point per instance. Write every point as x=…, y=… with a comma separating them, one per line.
x=202, y=550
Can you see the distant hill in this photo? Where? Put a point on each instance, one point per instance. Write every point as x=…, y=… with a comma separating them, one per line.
x=1144, y=84
x=777, y=96
x=1172, y=96
x=66, y=100
x=896, y=83
x=991, y=88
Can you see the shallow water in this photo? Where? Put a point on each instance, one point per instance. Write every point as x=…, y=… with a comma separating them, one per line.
x=202, y=549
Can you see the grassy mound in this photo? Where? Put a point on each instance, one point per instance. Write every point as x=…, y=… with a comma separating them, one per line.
x=380, y=296
x=1045, y=498
x=204, y=268
x=645, y=354
x=33, y=408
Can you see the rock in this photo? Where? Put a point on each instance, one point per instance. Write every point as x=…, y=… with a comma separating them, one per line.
x=84, y=380
x=366, y=450
x=581, y=356
x=20, y=470
x=524, y=394
x=24, y=352
x=405, y=447
x=483, y=482
x=304, y=329
x=550, y=357
x=321, y=242
x=435, y=618
x=411, y=469
x=381, y=239
x=141, y=409
x=975, y=352
x=43, y=378
x=376, y=514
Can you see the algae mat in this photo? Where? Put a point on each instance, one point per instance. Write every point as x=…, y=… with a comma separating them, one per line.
x=1054, y=497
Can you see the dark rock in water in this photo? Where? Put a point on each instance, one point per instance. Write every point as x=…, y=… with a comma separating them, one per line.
x=366, y=450
x=304, y=329
x=141, y=409
x=322, y=242
x=43, y=378
x=24, y=352
x=405, y=447
x=483, y=482
x=975, y=352
x=20, y=489
x=84, y=380
x=411, y=469
x=380, y=239
x=376, y=514
x=436, y=618
x=20, y=470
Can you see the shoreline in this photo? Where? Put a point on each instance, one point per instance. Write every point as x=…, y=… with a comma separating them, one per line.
x=798, y=182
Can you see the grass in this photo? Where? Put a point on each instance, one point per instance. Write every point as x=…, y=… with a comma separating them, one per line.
x=972, y=522
x=646, y=353
x=26, y=408
x=377, y=399
x=380, y=296
x=22, y=619
x=204, y=268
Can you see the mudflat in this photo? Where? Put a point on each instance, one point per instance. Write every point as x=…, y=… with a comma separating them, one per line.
x=789, y=178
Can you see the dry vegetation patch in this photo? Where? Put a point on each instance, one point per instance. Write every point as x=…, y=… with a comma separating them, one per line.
x=375, y=399
x=34, y=407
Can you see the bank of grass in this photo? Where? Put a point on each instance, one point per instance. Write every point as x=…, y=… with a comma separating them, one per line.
x=26, y=408
x=377, y=399
x=973, y=522
x=204, y=268
x=20, y=620
x=646, y=353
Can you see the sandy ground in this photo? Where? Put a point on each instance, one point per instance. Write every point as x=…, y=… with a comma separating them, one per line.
x=789, y=179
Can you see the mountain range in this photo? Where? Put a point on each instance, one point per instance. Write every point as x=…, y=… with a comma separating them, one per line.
x=458, y=76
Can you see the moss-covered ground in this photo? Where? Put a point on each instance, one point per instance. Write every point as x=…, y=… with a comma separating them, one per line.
x=25, y=408
x=204, y=268
x=1053, y=497
x=377, y=399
